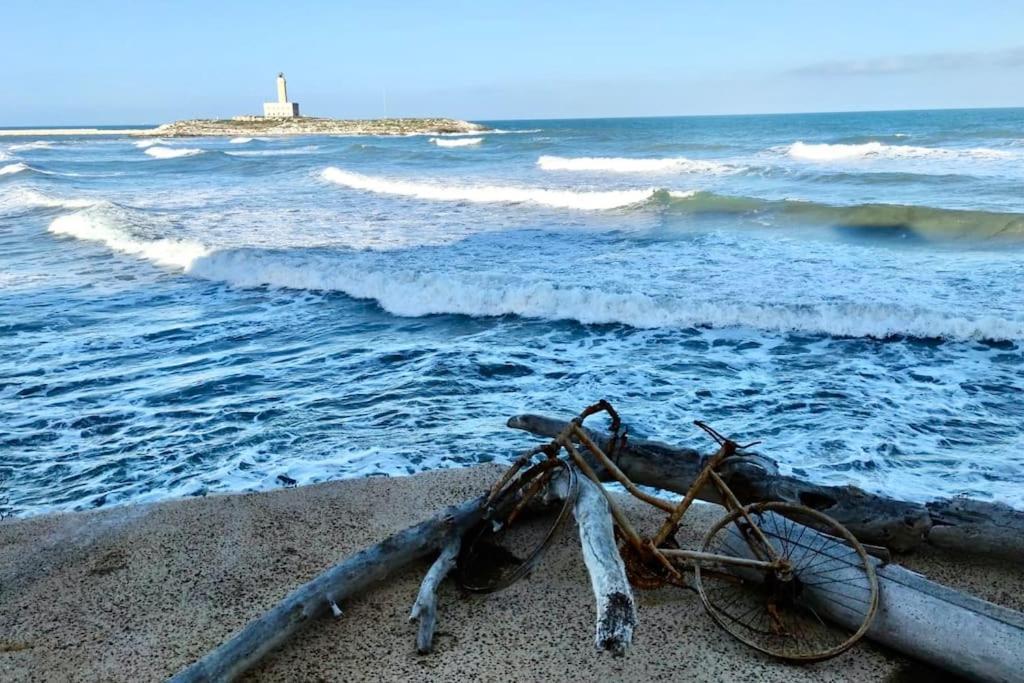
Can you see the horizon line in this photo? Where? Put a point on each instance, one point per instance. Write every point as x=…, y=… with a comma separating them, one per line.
x=554, y=118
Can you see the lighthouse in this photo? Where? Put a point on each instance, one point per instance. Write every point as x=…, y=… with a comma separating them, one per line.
x=282, y=109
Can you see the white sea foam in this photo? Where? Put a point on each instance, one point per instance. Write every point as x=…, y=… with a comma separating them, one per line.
x=456, y=142
x=565, y=199
x=239, y=141
x=28, y=146
x=104, y=226
x=412, y=293
x=632, y=165
x=868, y=150
x=24, y=198
x=308, y=149
x=143, y=144
x=172, y=153
x=415, y=293
x=11, y=169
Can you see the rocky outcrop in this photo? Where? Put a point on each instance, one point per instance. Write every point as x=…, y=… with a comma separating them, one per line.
x=311, y=126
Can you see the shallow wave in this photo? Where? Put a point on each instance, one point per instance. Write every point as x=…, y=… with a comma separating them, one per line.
x=28, y=146
x=106, y=225
x=874, y=149
x=172, y=153
x=456, y=142
x=11, y=169
x=143, y=144
x=308, y=149
x=631, y=165
x=25, y=198
x=565, y=199
x=923, y=220
x=239, y=141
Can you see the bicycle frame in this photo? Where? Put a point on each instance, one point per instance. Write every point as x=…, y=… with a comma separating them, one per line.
x=766, y=557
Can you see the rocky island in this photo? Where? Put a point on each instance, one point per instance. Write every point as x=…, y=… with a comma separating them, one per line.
x=306, y=125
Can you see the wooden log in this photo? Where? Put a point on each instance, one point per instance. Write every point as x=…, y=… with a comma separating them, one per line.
x=971, y=527
x=315, y=599
x=616, y=609
x=425, y=607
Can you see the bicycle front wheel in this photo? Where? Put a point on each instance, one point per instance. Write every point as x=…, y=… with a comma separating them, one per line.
x=818, y=601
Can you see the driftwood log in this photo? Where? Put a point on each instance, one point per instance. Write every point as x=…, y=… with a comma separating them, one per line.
x=425, y=607
x=616, y=609
x=968, y=526
x=321, y=595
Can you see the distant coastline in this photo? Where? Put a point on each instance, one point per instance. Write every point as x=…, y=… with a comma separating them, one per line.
x=270, y=127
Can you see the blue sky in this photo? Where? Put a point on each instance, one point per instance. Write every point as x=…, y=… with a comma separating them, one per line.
x=108, y=62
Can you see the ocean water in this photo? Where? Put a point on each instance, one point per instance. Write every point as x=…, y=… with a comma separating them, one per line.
x=179, y=317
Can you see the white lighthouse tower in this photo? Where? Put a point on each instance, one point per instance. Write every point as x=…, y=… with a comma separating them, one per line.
x=282, y=109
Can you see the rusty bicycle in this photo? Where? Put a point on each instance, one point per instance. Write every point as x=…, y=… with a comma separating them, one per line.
x=785, y=579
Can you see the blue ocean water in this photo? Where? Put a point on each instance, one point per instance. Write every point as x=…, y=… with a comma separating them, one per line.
x=187, y=316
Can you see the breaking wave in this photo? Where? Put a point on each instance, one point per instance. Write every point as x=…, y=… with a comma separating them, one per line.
x=11, y=169
x=28, y=146
x=24, y=198
x=172, y=153
x=274, y=152
x=923, y=220
x=629, y=165
x=414, y=293
x=105, y=225
x=868, y=150
x=143, y=144
x=239, y=141
x=456, y=142
x=565, y=199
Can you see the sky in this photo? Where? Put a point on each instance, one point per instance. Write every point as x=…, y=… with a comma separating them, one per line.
x=109, y=62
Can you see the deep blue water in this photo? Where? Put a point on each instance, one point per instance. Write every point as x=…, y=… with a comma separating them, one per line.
x=202, y=315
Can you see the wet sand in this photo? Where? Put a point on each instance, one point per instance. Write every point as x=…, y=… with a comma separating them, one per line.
x=135, y=593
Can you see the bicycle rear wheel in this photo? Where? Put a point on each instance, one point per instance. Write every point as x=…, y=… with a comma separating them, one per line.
x=817, y=606
x=508, y=543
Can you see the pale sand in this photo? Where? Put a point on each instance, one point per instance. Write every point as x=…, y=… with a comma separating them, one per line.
x=135, y=593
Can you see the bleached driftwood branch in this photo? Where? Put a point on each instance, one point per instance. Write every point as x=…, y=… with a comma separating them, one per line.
x=425, y=607
x=616, y=609
x=315, y=599
x=968, y=526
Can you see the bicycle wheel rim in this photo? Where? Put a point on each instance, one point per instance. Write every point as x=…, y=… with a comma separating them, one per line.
x=825, y=608
x=503, y=502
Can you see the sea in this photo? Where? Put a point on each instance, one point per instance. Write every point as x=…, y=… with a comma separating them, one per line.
x=184, y=317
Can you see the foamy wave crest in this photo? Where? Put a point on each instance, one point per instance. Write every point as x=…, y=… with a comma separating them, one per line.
x=239, y=141
x=456, y=142
x=24, y=198
x=868, y=150
x=626, y=165
x=417, y=294
x=143, y=144
x=107, y=226
x=274, y=152
x=172, y=153
x=11, y=169
x=563, y=199
x=28, y=146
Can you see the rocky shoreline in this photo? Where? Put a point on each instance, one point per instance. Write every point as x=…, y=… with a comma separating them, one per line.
x=312, y=126
x=257, y=125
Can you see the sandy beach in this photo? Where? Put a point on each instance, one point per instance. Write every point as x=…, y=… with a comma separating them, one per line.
x=134, y=593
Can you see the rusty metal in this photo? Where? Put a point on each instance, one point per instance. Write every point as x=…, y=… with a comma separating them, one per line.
x=658, y=561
